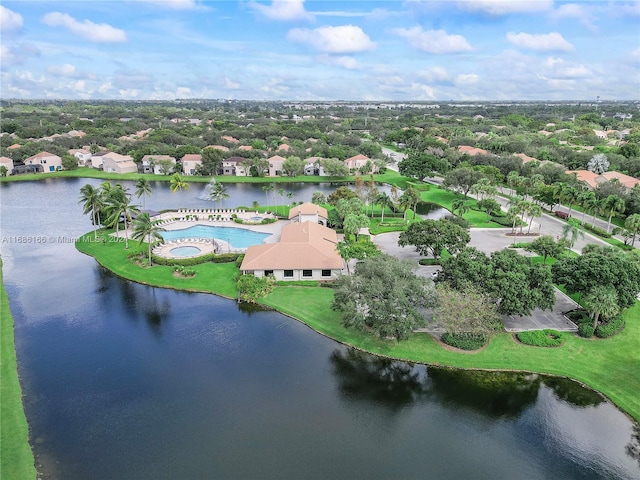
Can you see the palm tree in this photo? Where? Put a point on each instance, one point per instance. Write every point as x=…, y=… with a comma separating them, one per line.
x=177, y=183
x=218, y=193
x=91, y=202
x=122, y=208
x=460, y=206
x=587, y=201
x=384, y=201
x=569, y=194
x=632, y=223
x=411, y=199
x=143, y=188
x=571, y=232
x=601, y=300
x=613, y=204
x=516, y=208
x=533, y=211
x=145, y=228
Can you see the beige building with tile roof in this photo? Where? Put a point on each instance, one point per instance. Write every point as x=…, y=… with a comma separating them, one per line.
x=7, y=163
x=309, y=212
x=190, y=163
x=116, y=163
x=592, y=179
x=306, y=251
x=49, y=161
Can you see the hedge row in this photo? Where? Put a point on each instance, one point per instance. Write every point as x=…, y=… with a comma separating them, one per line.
x=542, y=338
x=465, y=341
x=598, y=231
x=189, y=262
x=610, y=328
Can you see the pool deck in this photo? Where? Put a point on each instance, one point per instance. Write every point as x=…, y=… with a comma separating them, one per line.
x=182, y=219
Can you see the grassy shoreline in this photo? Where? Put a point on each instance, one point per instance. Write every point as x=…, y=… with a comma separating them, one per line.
x=16, y=457
x=610, y=366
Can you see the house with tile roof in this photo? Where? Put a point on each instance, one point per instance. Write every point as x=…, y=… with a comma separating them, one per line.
x=229, y=165
x=592, y=179
x=116, y=163
x=190, y=163
x=153, y=164
x=355, y=163
x=49, y=161
x=473, y=151
x=309, y=212
x=313, y=166
x=7, y=163
x=275, y=165
x=306, y=251
x=82, y=154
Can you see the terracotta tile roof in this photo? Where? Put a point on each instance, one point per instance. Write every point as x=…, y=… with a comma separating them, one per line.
x=14, y=146
x=41, y=155
x=283, y=148
x=472, y=150
x=308, y=208
x=245, y=147
x=218, y=147
x=525, y=158
x=625, y=180
x=302, y=246
x=585, y=176
x=6, y=160
x=192, y=157
x=230, y=139
x=276, y=158
x=234, y=160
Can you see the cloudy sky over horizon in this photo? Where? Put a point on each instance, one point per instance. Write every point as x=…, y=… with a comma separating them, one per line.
x=413, y=50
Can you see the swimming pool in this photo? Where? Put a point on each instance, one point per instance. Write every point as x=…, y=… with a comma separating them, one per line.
x=187, y=251
x=237, y=237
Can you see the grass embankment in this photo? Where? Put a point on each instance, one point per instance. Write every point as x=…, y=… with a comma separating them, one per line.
x=16, y=457
x=611, y=366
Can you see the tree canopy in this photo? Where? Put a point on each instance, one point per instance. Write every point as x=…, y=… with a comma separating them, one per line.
x=430, y=237
x=384, y=296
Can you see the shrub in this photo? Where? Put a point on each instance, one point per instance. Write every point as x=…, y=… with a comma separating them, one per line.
x=585, y=330
x=251, y=288
x=598, y=231
x=504, y=221
x=184, y=271
x=610, y=328
x=239, y=260
x=189, y=262
x=465, y=341
x=429, y=261
x=541, y=338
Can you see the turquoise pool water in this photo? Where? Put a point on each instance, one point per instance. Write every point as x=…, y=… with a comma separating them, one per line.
x=237, y=237
x=185, y=251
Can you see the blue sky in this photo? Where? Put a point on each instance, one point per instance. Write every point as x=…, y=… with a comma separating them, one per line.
x=316, y=50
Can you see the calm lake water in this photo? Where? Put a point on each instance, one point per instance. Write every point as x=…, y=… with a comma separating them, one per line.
x=124, y=381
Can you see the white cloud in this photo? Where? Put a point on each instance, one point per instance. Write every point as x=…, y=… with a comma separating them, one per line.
x=540, y=42
x=183, y=92
x=342, y=39
x=9, y=20
x=66, y=70
x=433, y=41
x=86, y=29
x=506, y=7
x=435, y=74
x=282, y=10
x=466, y=79
x=573, y=10
x=342, y=61
x=16, y=54
x=559, y=68
x=230, y=84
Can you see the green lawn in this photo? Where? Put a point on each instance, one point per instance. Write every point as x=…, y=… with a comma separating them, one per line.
x=611, y=366
x=16, y=457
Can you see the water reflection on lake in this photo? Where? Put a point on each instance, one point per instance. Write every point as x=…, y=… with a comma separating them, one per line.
x=126, y=381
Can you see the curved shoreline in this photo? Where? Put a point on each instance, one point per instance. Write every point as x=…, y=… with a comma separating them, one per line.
x=316, y=314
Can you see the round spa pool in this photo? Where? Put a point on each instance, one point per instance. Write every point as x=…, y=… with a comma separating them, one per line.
x=186, y=251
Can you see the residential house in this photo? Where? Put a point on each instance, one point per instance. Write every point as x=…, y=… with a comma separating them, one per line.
x=283, y=148
x=82, y=154
x=313, y=166
x=306, y=251
x=229, y=165
x=275, y=165
x=243, y=167
x=116, y=163
x=222, y=148
x=49, y=161
x=190, y=163
x=230, y=139
x=355, y=164
x=156, y=164
x=592, y=179
x=309, y=212
x=7, y=163
x=473, y=151
x=97, y=159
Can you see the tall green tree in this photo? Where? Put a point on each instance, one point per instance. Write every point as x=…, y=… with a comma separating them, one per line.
x=611, y=205
x=178, y=183
x=632, y=223
x=218, y=193
x=431, y=237
x=145, y=229
x=601, y=300
x=91, y=200
x=546, y=246
x=143, y=188
x=467, y=311
x=571, y=232
x=385, y=297
x=121, y=208
x=384, y=201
